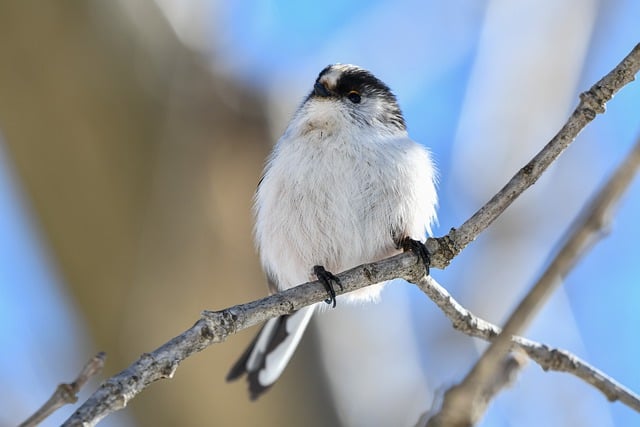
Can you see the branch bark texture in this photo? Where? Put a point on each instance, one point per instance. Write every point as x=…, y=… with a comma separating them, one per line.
x=592, y=102
x=215, y=327
x=549, y=359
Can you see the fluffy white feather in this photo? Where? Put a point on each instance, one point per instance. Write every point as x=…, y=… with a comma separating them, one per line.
x=332, y=191
x=342, y=187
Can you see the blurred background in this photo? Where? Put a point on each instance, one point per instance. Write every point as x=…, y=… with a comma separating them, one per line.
x=132, y=136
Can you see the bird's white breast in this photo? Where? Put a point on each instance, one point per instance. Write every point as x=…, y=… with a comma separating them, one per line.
x=333, y=199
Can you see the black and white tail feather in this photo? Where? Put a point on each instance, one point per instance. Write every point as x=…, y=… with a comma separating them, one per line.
x=343, y=186
x=269, y=353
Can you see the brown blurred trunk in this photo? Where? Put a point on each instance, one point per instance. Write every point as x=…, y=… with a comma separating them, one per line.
x=141, y=176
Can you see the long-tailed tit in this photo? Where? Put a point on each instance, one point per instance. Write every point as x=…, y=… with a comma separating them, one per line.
x=344, y=185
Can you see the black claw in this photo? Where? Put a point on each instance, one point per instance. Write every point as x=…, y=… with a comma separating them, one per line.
x=326, y=277
x=418, y=248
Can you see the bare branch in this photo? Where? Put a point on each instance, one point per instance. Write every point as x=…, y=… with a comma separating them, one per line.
x=462, y=402
x=67, y=393
x=549, y=359
x=592, y=102
x=214, y=327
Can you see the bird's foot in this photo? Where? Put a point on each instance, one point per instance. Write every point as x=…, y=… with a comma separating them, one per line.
x=328, y=279
x=418, y=248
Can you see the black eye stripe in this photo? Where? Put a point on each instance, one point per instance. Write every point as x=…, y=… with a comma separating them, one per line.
x=361, y=81
x=353, y=83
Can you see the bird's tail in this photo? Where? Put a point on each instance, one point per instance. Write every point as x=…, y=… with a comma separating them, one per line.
x=270, y=351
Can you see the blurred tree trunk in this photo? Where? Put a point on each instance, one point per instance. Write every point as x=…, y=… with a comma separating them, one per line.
x=140, y=165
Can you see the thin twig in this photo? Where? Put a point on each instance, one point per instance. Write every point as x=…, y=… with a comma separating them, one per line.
x=67, y=393
x=463, y=403
x=549, y=359
x=214, y=327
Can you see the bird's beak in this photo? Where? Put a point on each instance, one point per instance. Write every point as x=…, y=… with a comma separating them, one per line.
x=320, y=89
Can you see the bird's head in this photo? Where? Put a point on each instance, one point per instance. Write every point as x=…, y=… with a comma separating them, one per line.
x=346, y=98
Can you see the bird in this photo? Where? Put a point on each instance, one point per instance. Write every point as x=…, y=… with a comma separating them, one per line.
x=343, y=186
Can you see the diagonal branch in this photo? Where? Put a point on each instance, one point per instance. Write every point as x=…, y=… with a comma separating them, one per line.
x=549, y=359
x=592, y=102
x=464, y=404
x=215, y=327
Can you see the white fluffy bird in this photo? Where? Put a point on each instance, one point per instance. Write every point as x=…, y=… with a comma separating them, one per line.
x=344, y=185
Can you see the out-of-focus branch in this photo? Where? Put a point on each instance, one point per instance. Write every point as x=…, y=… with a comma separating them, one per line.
x=67, y=393
x=464, y=404
x=215, y=327
x=508, y=372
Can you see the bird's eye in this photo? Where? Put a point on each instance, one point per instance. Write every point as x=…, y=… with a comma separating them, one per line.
x=354, y=97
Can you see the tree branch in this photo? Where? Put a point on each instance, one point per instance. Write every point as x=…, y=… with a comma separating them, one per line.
x=549, y=359
x=67, y=392
x=215, y=327
x=592, y=102
x=464, y=404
